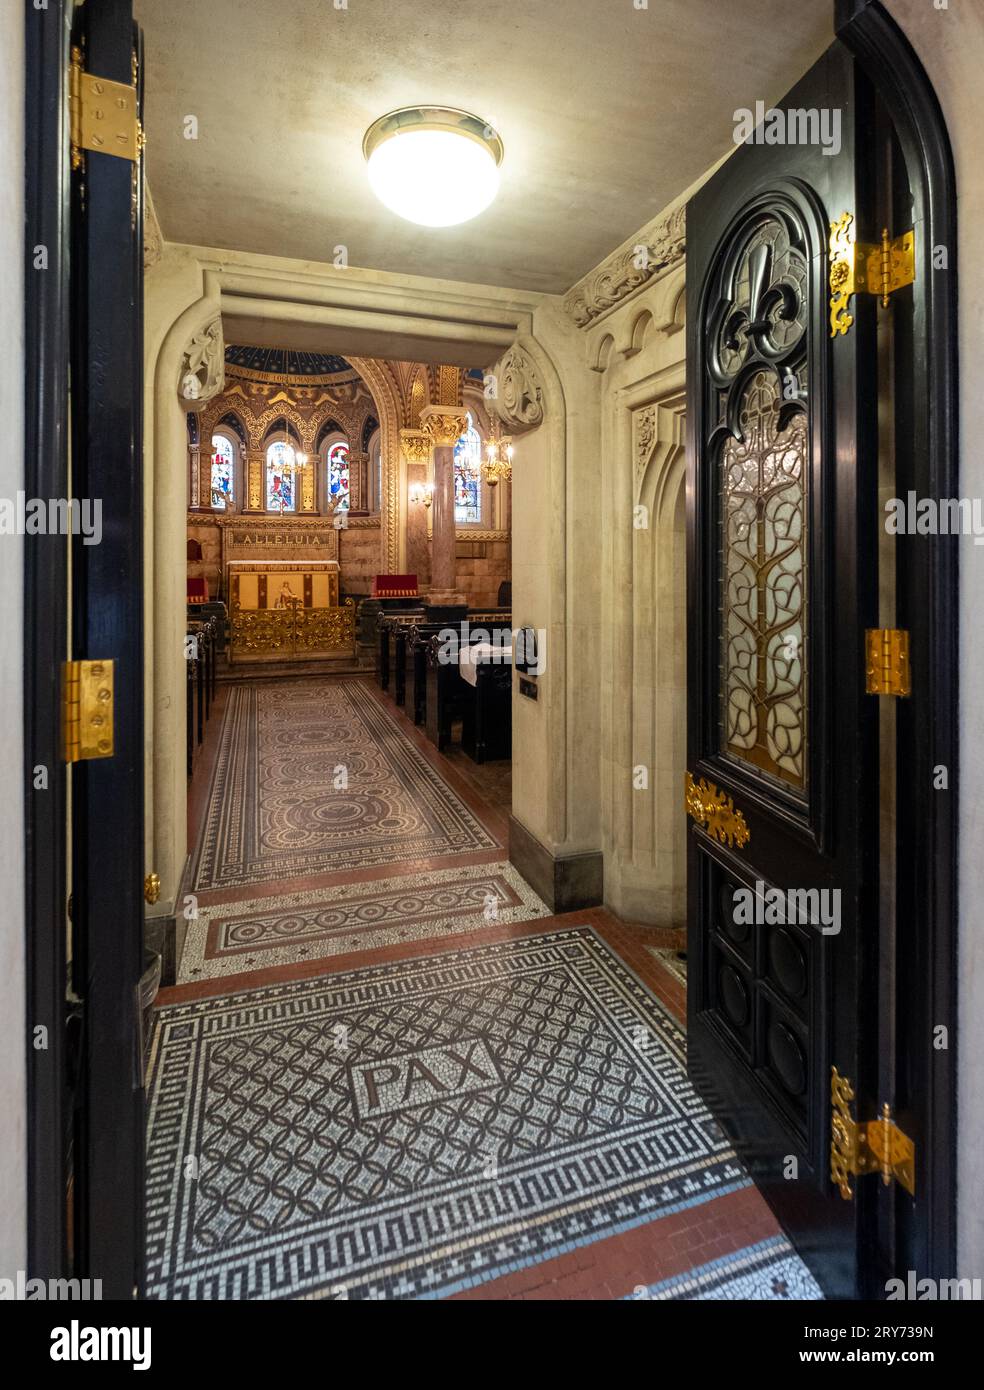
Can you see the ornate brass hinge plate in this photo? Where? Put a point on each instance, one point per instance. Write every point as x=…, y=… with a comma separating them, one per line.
x=87, y=710
x=103, y=115
x=886, y=661
x=858, y=267
x=876, y=1146
x=714, y=812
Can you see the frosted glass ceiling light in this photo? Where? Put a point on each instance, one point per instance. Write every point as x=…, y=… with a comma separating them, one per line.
x=433, y=165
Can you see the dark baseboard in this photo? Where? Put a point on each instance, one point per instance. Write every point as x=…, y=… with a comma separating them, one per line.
x=564, y=882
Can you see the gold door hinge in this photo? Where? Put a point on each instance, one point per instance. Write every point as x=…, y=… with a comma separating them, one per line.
x=714, y=812
x=858, y=267
x=152, y=888
x=876, y=1146
x=886, y=661
x=103, y=115
x=87, y=710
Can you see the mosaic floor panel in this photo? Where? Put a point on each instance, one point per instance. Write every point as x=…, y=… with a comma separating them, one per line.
x=320, y=923
x=413, y=1129
x=770, y=1270
x=314, y=777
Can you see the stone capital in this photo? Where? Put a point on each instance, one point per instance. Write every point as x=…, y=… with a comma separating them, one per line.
x=415, y=445
x=442, y=424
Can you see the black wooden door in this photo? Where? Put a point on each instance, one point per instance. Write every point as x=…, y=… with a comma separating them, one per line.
x=107, y=613
x=782, y=741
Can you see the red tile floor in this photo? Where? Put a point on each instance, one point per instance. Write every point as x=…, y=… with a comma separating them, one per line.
x=614, y=1266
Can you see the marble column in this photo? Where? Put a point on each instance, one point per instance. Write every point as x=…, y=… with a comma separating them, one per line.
x=444, y=425
x=416, y=449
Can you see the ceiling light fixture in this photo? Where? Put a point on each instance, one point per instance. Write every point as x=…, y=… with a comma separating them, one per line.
x=433, y=165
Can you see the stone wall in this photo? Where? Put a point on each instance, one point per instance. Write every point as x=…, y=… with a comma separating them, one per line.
x=480, y=567
x=358, y=554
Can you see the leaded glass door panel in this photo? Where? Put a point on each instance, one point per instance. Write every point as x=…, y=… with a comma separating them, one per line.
x=781, y=902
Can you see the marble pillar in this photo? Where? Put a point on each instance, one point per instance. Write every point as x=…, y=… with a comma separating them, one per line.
x=444, y=425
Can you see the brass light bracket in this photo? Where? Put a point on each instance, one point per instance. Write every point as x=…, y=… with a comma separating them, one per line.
x=858, y=267
x=87, y=710
x=875, y=1146
x=714, y=811
x=103, y=115
x=886, y=661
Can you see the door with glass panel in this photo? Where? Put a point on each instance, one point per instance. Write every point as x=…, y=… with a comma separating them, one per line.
x=781, y=788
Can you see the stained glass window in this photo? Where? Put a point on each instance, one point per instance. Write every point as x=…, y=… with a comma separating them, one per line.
x=280, y=478
x=338, y=475
x=468, y=477
x=223, y=459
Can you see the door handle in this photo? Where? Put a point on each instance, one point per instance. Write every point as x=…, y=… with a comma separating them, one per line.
x=714, y=812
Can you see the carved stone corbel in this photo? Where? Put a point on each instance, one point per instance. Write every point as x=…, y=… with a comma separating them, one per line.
x=202, y=374
x=515, y=394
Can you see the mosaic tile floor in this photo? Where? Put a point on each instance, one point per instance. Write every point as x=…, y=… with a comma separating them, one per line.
x=261, y=932
x=770, y=1270
x=313, y=776
x=385, y=1073
x=413, y=1129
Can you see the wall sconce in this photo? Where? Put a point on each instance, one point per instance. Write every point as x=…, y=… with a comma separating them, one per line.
x=422, y=492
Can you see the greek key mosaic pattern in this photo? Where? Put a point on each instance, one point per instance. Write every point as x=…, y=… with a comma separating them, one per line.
x=408, y=1130
x=314, y=777
x=312, y=925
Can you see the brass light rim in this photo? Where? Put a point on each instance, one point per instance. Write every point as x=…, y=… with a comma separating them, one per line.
x=447, y=118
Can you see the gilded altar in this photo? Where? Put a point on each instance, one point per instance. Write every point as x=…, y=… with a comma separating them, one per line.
x=287, y=611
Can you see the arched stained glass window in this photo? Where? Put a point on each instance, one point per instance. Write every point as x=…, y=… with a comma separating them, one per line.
x=223, y=462
x=468, y=477
x=280, y=477
x=337, y=459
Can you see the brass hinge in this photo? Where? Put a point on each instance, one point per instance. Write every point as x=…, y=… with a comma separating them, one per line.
x=714, y=811
x=87, y=710
x=858, y=267
x=152, y=888
x=103, y=115
x=886, y=661
x=876, y=1146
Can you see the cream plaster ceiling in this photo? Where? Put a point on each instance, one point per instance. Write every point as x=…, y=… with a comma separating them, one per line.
x=608, y=112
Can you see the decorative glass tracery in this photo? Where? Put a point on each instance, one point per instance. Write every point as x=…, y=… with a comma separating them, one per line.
x=764, y=561
x=759, y=432
x=468, y=477
x=280, y=460
x=337, y=460
x=223, y=462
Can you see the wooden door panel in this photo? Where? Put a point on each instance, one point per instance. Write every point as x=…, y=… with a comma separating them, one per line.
x=779, y=593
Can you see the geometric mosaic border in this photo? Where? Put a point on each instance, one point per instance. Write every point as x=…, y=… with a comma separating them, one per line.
x=319, y=923
x=411, y=1129
x=768, y=1271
